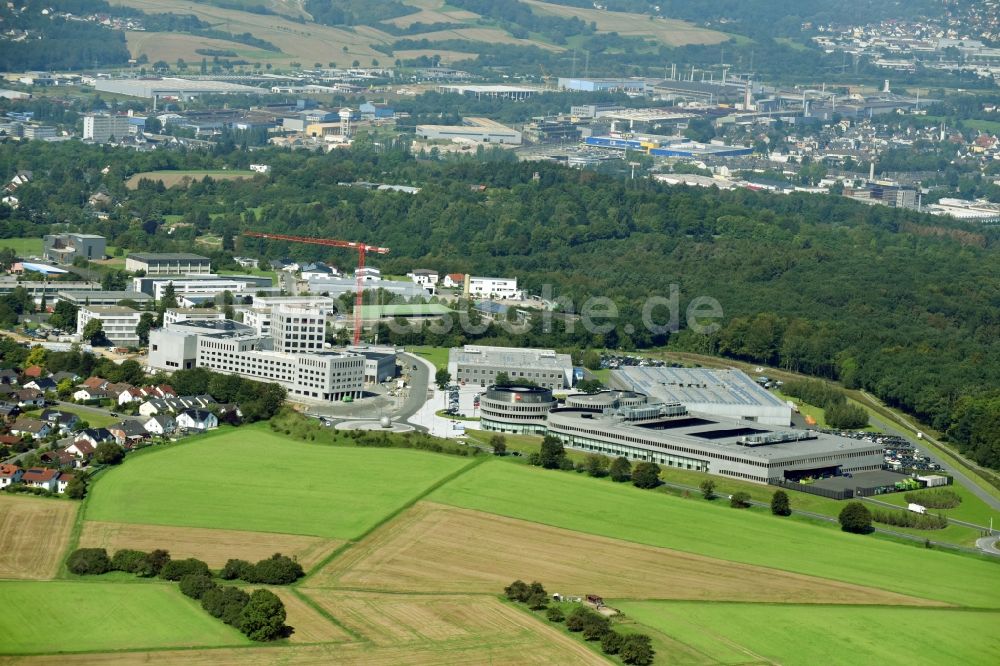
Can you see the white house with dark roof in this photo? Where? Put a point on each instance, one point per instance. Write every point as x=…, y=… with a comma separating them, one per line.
x=197, y=419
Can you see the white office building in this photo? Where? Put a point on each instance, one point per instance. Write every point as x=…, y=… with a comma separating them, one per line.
x=118, y=323
x=480, y=364
x=100, y=128
x=177, y=315
x=488, y=287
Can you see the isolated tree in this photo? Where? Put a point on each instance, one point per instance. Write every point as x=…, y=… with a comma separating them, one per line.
x=442, y=378
x=169, y=299
x=499, y=444
x=517, y=591
x=856, y=518
x=637, y=649
x=108, y=453
x=146, y=321
x=552, y=452
x=707, y=489
x=646, y=475
x=263, y=618
x=597, y=465
x=93, y=331
x=740, y=500
x=780, y=505
x=89, y=561
x=621, y=469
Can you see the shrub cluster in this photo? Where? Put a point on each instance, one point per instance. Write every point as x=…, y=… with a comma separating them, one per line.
x=919, y=521
x=276, y=570
x=837, y=411
x=631, y=648
x=260, y=615
x=935, y=498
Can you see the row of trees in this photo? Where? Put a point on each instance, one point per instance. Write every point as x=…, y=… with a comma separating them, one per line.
x=632, y=648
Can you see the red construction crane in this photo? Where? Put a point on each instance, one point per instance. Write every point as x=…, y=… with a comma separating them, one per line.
x=362, y=249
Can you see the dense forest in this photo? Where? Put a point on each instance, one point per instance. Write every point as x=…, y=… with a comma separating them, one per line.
x=903, y=305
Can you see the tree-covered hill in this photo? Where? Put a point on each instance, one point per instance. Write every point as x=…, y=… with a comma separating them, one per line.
x=904, y=305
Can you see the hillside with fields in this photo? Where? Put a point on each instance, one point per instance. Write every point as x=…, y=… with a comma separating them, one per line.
x=406, y=554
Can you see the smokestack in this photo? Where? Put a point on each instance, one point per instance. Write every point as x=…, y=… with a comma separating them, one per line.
x=466, y=285
x=885, y=86
x=871, y=171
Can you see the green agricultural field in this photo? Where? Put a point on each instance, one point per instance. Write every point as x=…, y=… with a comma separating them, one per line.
x=60, y=616
x=251, y=479
x=601, y=507
x=23, y=247
x=732, y=633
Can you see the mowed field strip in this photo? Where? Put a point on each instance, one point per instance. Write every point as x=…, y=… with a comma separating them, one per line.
x=171, y=178
x=62, y=616
x=34, y=533
x=306, y=42
x=250, y=479
x=795, y=635
x=210, y=545
x=169, y=46
x=436, y=548
x=389, y=620
x=693, y=525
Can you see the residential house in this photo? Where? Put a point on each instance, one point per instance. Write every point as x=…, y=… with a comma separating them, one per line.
x=424, y=277
x=94, y=383
x=8, y=410
x=453, y=280
x=128, y=432
x=40, y=477
x=114, y=391
x=60, y=457
x=160, y=424
x=10, y=474
x=41, y=384
x=64, y=421
x=175, y=404
x=63, y=375
x=229, y=412
x=33, y=371
x=154, y=406
x=140, y=394
x=63, y=482
x=81, y=448
x=90, y=395
x=8, y=376
x=25, y=427
x=10, y=440
x=197, y=419
x=94, y=435
x=29, y=398
x=318, y=270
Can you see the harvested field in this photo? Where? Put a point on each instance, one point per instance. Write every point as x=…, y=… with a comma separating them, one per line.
x=390, y=620
x=212, y=546
x=169, y=46
x=305, y=42
x=185, y=178
x=668, y=31
x=446, y=56
x=309, y=624
x=34, y=533
x=433, y=15
x=434, y=548
x=488, y=35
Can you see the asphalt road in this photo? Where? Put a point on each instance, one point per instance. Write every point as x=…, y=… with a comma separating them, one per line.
x=420, y=380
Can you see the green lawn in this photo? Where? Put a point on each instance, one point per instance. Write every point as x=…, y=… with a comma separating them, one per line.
x=23, y=247
x=94, y=419
x=601, y=507
x=60, y=616
x=251, y=479
x=733, y=633
x=972, y=509
x=436, y=355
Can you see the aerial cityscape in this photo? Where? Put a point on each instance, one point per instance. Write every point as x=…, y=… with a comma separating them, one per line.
x=499, y=332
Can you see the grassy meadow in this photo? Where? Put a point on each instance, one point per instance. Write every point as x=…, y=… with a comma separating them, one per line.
x=23, y=247
x=61, y=616
x=732, y=633
x=251, y=479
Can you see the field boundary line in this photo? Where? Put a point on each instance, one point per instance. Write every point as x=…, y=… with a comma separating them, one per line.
x=592, y=646
x=406, y=505
x=312, y=603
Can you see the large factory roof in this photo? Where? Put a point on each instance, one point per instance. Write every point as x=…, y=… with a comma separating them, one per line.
x=509, y=357
x=170, y=87
x=697, y=386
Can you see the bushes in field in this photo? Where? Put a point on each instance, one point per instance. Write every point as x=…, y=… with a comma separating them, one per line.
x=177, y=569
x=740, y=500
x=902, y=518
x=593, y=626
x=89, y=561
x=935, y=498
x=276, y=570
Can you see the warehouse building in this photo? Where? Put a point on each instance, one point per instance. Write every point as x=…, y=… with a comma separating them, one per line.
x=475, y=130
x=725, y=393
x=168, y=264
x=170, y=88
x=667, y=434
x=635, y=86
x=104, y=298
x=206, y=285
x=516, y=409
x=480, y=364
x=491, y=91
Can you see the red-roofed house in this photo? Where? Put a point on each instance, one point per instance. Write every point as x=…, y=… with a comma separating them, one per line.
x=40, y=477
x=94, y=383
x=34, y=371
x=9, y=474
x=125, y=397
x=452, y=280
x=81, y=448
